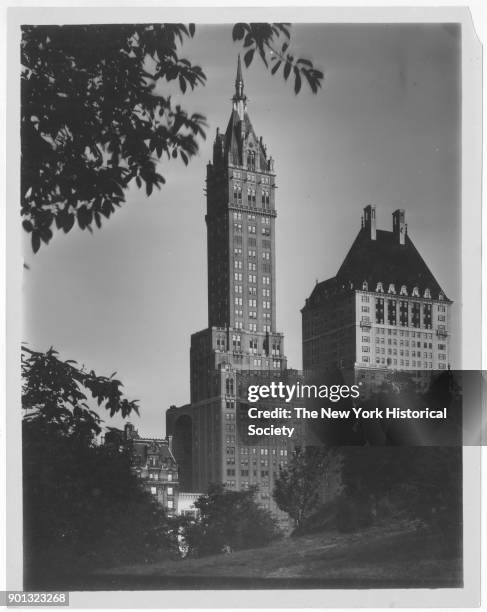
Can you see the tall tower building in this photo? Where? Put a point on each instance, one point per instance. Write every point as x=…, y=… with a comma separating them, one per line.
x=383, y=311
x=240, y=220
x=210, y=441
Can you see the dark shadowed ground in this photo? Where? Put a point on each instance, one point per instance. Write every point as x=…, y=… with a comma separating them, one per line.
x=396, y=556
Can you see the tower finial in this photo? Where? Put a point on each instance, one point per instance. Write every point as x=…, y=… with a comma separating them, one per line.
x=239, y=84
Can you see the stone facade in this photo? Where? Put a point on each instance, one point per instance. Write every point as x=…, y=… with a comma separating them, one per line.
x=384, y=310
x=155, y=465
x=209, y=438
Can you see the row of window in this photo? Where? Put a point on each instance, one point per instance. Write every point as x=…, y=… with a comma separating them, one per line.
x=252, y=303
x=402, y=353
x=379, y=288
x=265, y=197
x=252, y=279
x=245, y=450
x=427, y=365
x=237, y=174
x=265, y=231
x=403, y=333
x=252, y=327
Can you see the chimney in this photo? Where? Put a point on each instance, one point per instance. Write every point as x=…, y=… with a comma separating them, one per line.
x=399, y=226
x=369, y=221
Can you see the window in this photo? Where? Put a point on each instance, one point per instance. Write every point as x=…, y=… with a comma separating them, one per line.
x=170, y=490
x=169, y=477
x=237, y=193
x=153, y=490
x=170, y=504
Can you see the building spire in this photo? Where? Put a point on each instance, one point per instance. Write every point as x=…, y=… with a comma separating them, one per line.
x=239, y=84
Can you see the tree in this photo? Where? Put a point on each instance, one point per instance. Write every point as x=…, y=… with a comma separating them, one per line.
x=94, y=117
x=297, y=490
x=83, y=507
x=229, y=520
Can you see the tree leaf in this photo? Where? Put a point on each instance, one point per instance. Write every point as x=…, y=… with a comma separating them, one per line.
x=248, y=57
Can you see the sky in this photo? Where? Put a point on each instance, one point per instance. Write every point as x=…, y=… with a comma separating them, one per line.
x=384, y=129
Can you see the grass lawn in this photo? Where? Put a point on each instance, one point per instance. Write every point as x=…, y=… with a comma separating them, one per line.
x=379, y=557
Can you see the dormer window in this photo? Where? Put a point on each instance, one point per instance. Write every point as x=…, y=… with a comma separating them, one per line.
x=365, y=286
x=415, y=291
x=379, y=288
x=441, y=296
x=392, y=288
x=427, y=293
x=404, y=290
x=251, y=160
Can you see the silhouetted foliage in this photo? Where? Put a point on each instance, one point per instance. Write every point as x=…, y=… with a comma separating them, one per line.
x=423, y=483
x=94, y=117
x=229, y=520
x=297, y=490
x=271, y=41
x=83, y=507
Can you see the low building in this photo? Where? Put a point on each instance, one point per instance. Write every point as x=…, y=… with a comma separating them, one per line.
x=154, y=463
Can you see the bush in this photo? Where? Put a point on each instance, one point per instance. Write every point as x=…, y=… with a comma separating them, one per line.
x=229, y=520
x=353, y=513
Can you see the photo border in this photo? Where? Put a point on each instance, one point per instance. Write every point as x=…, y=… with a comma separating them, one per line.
x=471, y=317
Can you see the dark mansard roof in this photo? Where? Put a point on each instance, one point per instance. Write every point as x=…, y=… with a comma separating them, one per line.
x=383, y=260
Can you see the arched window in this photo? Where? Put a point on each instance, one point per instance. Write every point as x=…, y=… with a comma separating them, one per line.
x=251, y=160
